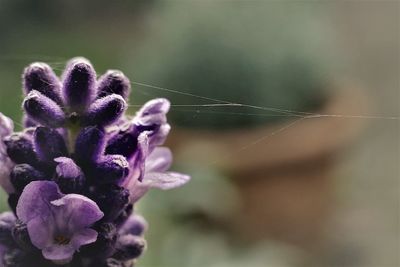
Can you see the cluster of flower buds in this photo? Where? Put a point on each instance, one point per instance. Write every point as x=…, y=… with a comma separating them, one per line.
x=75, y=172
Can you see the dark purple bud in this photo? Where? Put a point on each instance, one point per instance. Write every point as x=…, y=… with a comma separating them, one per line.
x=104, y=246
x=89, y=144
x=111, y=199
x=105, y=111
x=23, y=174
x=113, y=82
x=124, y=216
x=49, y=144
x=43, y=110
x=134, y=225
x=20, y=148
x=110, y=169
x=129, y=247
x=79, y=81
x=13, y=201
x=27, y=122
x=40, y=77
x=21, y=236
x=7, y=222
x=69, y=176
x=124, y=143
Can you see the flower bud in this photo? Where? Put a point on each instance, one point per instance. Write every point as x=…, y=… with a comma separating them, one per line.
x=69, y=176
x=110, y=169
x=40, y=77
x=129, y=247
x=89, y=144
x=21, y=236
x=105, y=111
x=124, y=215
x=134, y=225
x=79, y=81
x=28, y=122
x=104, y=246
x=43, y=110
x=20, y=148
x=23, y=174
x=124, y=143
x=113, y=82
x=49, y=144
x=111, y=199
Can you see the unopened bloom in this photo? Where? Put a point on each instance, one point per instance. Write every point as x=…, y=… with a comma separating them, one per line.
x=76, y=171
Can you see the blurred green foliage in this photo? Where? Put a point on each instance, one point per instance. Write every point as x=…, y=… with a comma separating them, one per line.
x=240, y=53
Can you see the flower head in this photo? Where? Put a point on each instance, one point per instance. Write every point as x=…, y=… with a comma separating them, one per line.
x=58, y=224
x=76, y=171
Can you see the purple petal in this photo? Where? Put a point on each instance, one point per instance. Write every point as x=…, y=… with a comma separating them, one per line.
x=5, y=169
x=83, y=237
x=39, y=76
x=69, y=176
x=138, y=162
x=113, y=82
x=77, y=211
x=159, y=160
x=35, y=200
x=6, y=126
x=67, y=168
x=43, y=110
x=165, y=180
x=154, y=106
x=161, y=180
x=59, y=253
x=105, y=111
x=41, y=231
x=79, y=81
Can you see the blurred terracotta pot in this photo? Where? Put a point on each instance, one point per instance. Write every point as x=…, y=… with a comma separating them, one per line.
x=283, y=172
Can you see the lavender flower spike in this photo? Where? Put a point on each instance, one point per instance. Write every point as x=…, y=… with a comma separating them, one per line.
x=76, y=171
x=57, y=224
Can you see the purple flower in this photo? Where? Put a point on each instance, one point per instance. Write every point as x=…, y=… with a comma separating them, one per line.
x=155, y=174
x=58, y=224
x=76, y=171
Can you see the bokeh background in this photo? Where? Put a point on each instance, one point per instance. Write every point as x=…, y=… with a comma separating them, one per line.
x=270, y=187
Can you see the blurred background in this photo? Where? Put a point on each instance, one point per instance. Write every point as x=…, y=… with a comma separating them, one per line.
x=271, y=186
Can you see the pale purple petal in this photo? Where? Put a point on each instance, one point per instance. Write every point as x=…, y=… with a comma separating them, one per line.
x=62, y=253
x=159, y=160
x=165, y=180
x=78, y=210
x=155, y=106
x=35, y=199
x=6, y=126
x=41, y=231
x=83, y=237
